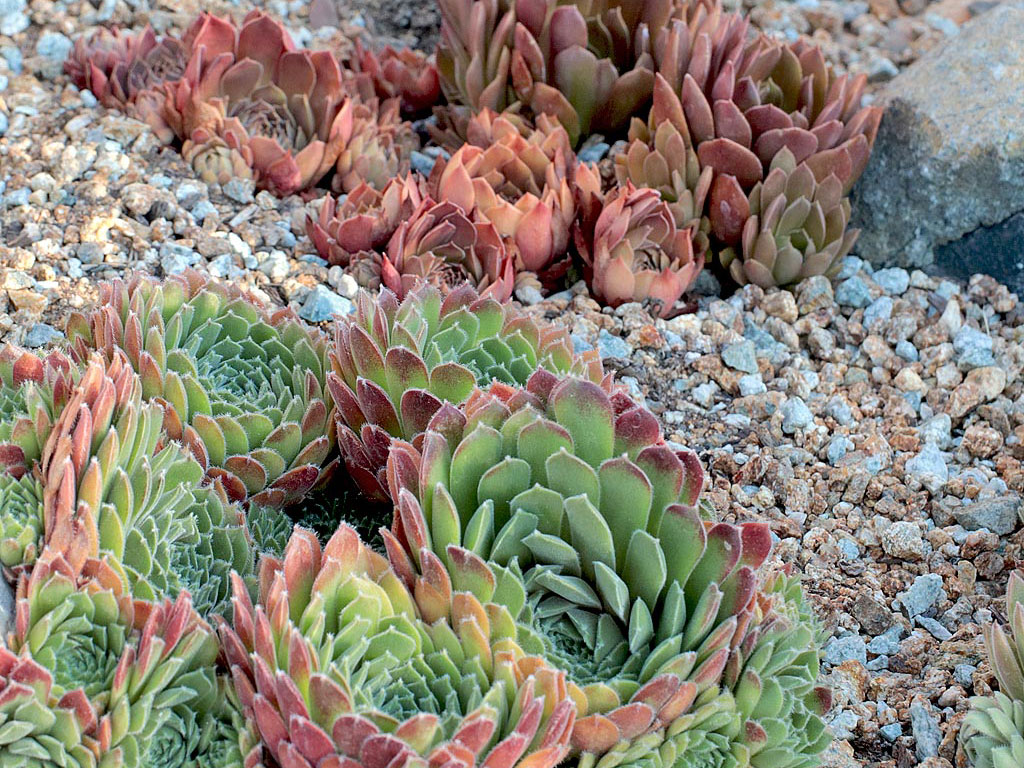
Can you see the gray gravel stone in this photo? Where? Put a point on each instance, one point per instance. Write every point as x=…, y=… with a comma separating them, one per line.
x=741, y=356
x=752, y=384
x=40, y=334
x=935, y=629
x=938, y=430
x=893, y=280
x=837, y=448
x=887, y=643
x=846, y=648
x=853, y=292
x=878, y=312
x=925, y=592
x=240, y=190
x=795, y=415
x=612, y=346
x=929, y=468
x=891, y=732
x=973, y=348
x=322, y=304
x=1000, y=515
x=925, y=727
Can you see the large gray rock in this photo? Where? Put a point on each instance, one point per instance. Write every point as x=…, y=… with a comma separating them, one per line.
x=949, y=159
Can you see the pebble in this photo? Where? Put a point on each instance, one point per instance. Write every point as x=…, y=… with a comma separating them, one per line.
x=891, y=732
x=936, y=630
x=53, y=46
x=240, y=190
x=795, y=415
x=929, y=468
x=938, y=430
x=922, y=594
x=903, y=539
x=41, y=334
x=1001, y=515
x=893, y=280
x=973, y=348
x=613, y=346
x=742, y=356
x=887, y=643
x=322, y=304
x=853, y=292
x=846, y=648
x=878, y=312
x=925, y=727
x=838, y=448
x=751, y=384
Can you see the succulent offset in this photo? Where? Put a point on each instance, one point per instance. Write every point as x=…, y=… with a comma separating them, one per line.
x=630, y=245
x=992, y=734
x=395, y=366
x=242, y=386
x=340, y=664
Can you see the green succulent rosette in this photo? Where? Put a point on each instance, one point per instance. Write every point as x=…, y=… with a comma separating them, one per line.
x=395, y=364
x=565, y=504
x=38, y=729
x=141, y=676
x=339, y=664
x=242, y=386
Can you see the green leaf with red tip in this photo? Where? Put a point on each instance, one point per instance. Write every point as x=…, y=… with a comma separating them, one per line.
x=721, y=555
x=682, y=536
x=584, y=409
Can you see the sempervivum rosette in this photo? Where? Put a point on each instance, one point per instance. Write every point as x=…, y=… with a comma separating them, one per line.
x=395, y=365
x=41, y=729
x=631, y=248
x=251, y=104
x=993, y=731
x=518, y=178
x=444, y=244
x=114, y=497
x=339, y=664
x=241, y=385
x=364, y=221
x=141, y=676
x=571, y=499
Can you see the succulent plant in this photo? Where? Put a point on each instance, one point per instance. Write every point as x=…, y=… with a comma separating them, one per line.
x=21, y=493
x=40, y=729
x=395, y=365
x=242, y=386
x=407, y=75
x=589, y=84
x=118, y=67
x=365, y=221
x=339, y=664
x=630, y=245
x=250, y=104
x=793, y=225
x=773, y=675
x=992, y=734
x=442, y=245
x=377, y=150
x=660, y=156
x=474, y=56
x=136, y=664
x=570, y=499
x=518, y=178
